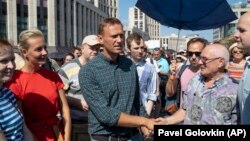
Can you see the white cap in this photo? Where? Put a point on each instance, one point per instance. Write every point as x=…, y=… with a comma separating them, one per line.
x=91, y=40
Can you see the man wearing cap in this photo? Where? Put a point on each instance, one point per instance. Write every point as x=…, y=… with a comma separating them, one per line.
x=69, y=75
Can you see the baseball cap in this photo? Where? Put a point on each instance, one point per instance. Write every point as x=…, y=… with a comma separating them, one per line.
x=91, y=40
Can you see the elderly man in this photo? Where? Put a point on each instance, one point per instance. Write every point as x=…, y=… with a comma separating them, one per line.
x=69, y=74
x=243, y=38
x=207, y=99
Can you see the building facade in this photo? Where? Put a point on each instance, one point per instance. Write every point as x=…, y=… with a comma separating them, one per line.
x=173, y=42
x=229, y=29
x=146, y=24
x=63, y=22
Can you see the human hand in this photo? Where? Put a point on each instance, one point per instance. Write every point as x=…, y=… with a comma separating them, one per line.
x=150, y=124
x=85, y=106
x=148, y=134
x=182, y=57
x=161, y=121
x=145, y=131
x=173, y=67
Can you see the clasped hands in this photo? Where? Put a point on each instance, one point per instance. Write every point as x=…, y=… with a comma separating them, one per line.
x=148, y=129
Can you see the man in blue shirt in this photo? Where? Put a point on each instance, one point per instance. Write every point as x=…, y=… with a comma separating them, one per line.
x=146, y=71
x=109, y=83
x=163, y=73
x=243, y=38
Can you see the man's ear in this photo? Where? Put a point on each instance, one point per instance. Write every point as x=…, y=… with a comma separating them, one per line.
x=100, y=39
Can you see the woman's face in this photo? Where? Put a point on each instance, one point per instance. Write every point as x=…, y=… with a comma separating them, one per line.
x=7, y=64
x=237, y=53
x=36, y=53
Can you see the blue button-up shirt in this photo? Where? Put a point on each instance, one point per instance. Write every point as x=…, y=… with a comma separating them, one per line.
x=147, y=78
x=244, y=95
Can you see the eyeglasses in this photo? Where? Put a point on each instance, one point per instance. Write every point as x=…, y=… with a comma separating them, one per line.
x=239, y=51
x=190, y=54
x=205, y=60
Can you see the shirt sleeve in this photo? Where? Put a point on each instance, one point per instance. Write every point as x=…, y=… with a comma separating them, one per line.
x=64, y=78
x=165, y=67
x=14, y=86
x=96, y=98
x=58, y=81
x=151, y=89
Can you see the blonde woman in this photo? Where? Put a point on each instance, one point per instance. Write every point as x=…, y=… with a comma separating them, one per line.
x=236, y=66
x=40, y=90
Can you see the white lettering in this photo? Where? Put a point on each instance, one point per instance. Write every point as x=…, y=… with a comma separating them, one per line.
x=212, y=132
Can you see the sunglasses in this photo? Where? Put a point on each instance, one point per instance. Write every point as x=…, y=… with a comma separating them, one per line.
x=157, y=49
x=205, y=60
x=239, y=51
x=190, y=54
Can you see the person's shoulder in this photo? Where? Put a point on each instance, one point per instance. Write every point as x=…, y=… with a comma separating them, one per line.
x=17, y=74
x=125, y=61
x=151, y=66
x=48, y=72
x=197, y=78
x=231, y=80
x=68, y=65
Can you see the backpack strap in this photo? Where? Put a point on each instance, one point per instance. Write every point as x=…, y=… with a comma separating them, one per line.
x=182, y=69
x=178, y=91
x=151, y=60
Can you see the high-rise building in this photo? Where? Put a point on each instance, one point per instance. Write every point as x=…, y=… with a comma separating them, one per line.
x=138, y=19
x=63, y=22
x=229, y=29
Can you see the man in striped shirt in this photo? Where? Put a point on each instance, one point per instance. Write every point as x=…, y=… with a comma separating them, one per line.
x=69, y=75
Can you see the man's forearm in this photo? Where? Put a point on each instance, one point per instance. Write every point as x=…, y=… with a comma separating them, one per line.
x=126, y=120
x=177, y=117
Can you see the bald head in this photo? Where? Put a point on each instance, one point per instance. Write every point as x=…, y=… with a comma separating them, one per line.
x=217, y=50
x=246, y=16
x=242, y=35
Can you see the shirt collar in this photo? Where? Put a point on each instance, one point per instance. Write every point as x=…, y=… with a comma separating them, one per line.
x=140, y=63
x=219, y=81
x=107, y=60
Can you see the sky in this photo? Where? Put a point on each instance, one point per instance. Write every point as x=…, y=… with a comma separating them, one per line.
x=124, y=5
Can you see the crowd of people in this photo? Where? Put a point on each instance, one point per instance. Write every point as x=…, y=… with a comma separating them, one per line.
x=121, y=96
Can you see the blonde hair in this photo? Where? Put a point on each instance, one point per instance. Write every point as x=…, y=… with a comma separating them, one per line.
x=27, y=34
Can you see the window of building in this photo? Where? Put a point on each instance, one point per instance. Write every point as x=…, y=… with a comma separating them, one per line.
x=22, y=16
x=3, y=20
x=42, y=17
x=136, y=13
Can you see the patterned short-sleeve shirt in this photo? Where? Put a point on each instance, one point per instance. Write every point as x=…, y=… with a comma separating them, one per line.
x=215, y=105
